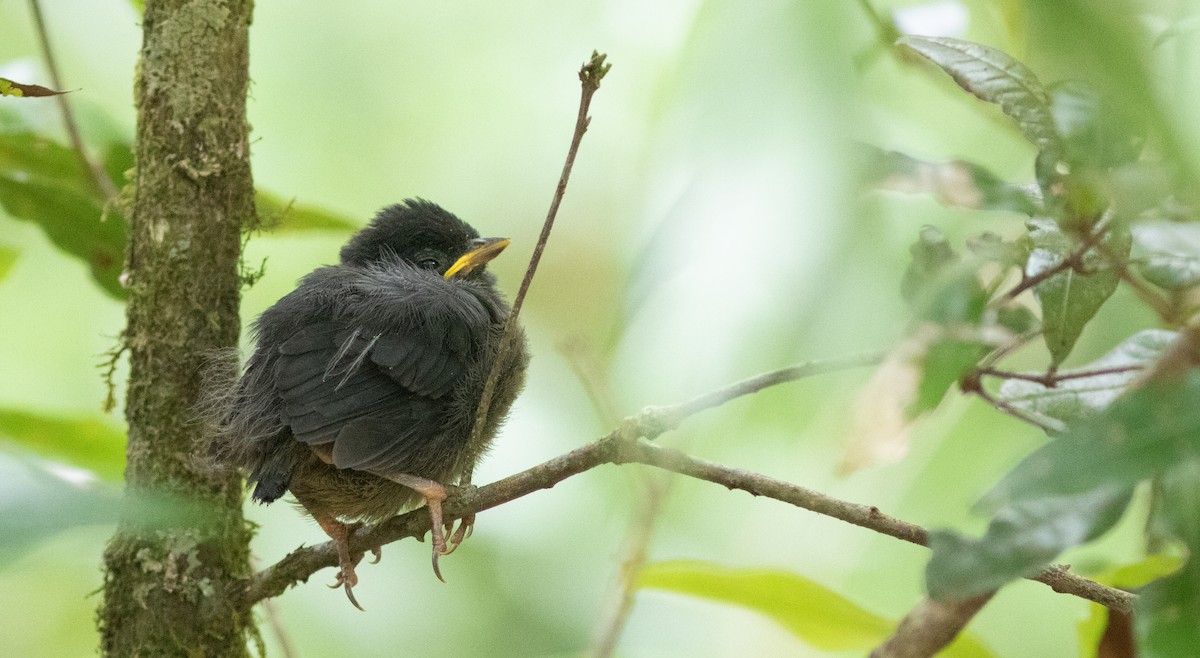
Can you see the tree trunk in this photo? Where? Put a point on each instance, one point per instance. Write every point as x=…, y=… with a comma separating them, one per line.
x=172, y=588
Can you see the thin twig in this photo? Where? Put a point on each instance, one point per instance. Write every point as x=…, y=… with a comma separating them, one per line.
x=1001, y=405
x=1073, y=260
x=1049, y=379
x=651, y=498
x=622, y=447
x=107, y=188
x=930, y=627
x=1008, y=348
x=281, y=635
x=592, y=377
x=1058, y=577
x=765, y=380
x=589, y=77
x=615, y=615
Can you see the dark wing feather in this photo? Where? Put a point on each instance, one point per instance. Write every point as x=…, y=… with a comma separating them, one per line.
x=378, y=396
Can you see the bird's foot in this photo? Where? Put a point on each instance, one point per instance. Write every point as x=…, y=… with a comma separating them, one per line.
x=340, y=533
x=466, y=526
x=434, y=493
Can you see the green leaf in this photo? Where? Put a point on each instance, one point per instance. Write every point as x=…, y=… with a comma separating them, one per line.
x=1021, y=539
x=1130, y=576
x=1016, y=318
x=8, y=256
x=956, y=183
x=1070, y=299
x=938, y=285
x=1144, y=571
x=87, y=442
x=945, y=363
x=1093, y=132
x=995, y=77
x=278, y=216
x=1071, y=400
x=1167, y=616
x=1074, y=487
x=813, y=613
x=44, y=182
x=39, y=500
x=991, y=247
x=1168, y=254
x=1138, y=436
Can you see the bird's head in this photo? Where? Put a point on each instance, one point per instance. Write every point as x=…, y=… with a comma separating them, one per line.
x=427, y=236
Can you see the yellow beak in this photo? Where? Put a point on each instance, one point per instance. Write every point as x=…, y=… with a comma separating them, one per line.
x=487, y=249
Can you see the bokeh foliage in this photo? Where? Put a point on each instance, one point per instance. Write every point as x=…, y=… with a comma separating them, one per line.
x=724, y=219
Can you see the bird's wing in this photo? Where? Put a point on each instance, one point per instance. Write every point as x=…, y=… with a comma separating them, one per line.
x=376, y=394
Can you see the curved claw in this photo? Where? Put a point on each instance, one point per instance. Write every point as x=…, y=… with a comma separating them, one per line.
x=437, y=571
x=465, y=528
x=378, y=553
x=353, y=601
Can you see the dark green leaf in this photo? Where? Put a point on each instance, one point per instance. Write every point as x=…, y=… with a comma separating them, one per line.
x=1138, y=436
x=88, y=443
x=1021, y=539
x=1167, y=617
x=945, y=363
x=813, y=613
x=45, y=183
x=1071, y=400
x=278, y=216
x=1070, y=299
x=1016, y=319
x=938, y=285
x=1168, y=253
x=995, y=77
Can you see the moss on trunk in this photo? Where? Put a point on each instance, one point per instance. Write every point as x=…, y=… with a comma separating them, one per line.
x=173, y=588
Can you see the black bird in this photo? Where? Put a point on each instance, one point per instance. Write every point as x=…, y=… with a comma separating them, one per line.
x=362, y=391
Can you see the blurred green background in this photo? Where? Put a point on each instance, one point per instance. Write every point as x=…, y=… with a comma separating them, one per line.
x=714, y=228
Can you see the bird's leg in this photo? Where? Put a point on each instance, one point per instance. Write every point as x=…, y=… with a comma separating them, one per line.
x=340, y=534
x=434, y=493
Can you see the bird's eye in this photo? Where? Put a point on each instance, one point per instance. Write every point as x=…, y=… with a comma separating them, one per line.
x=428, y=263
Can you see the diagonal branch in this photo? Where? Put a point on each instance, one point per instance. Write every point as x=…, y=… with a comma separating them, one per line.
x=623, y=446
x=589, y=77
x=929, y=627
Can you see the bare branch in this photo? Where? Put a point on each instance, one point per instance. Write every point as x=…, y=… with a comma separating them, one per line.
x=589, y=77
x=929, y=627
x=623, y=446
x=1050, y=379
x=766, y=380
x=1046, y=424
